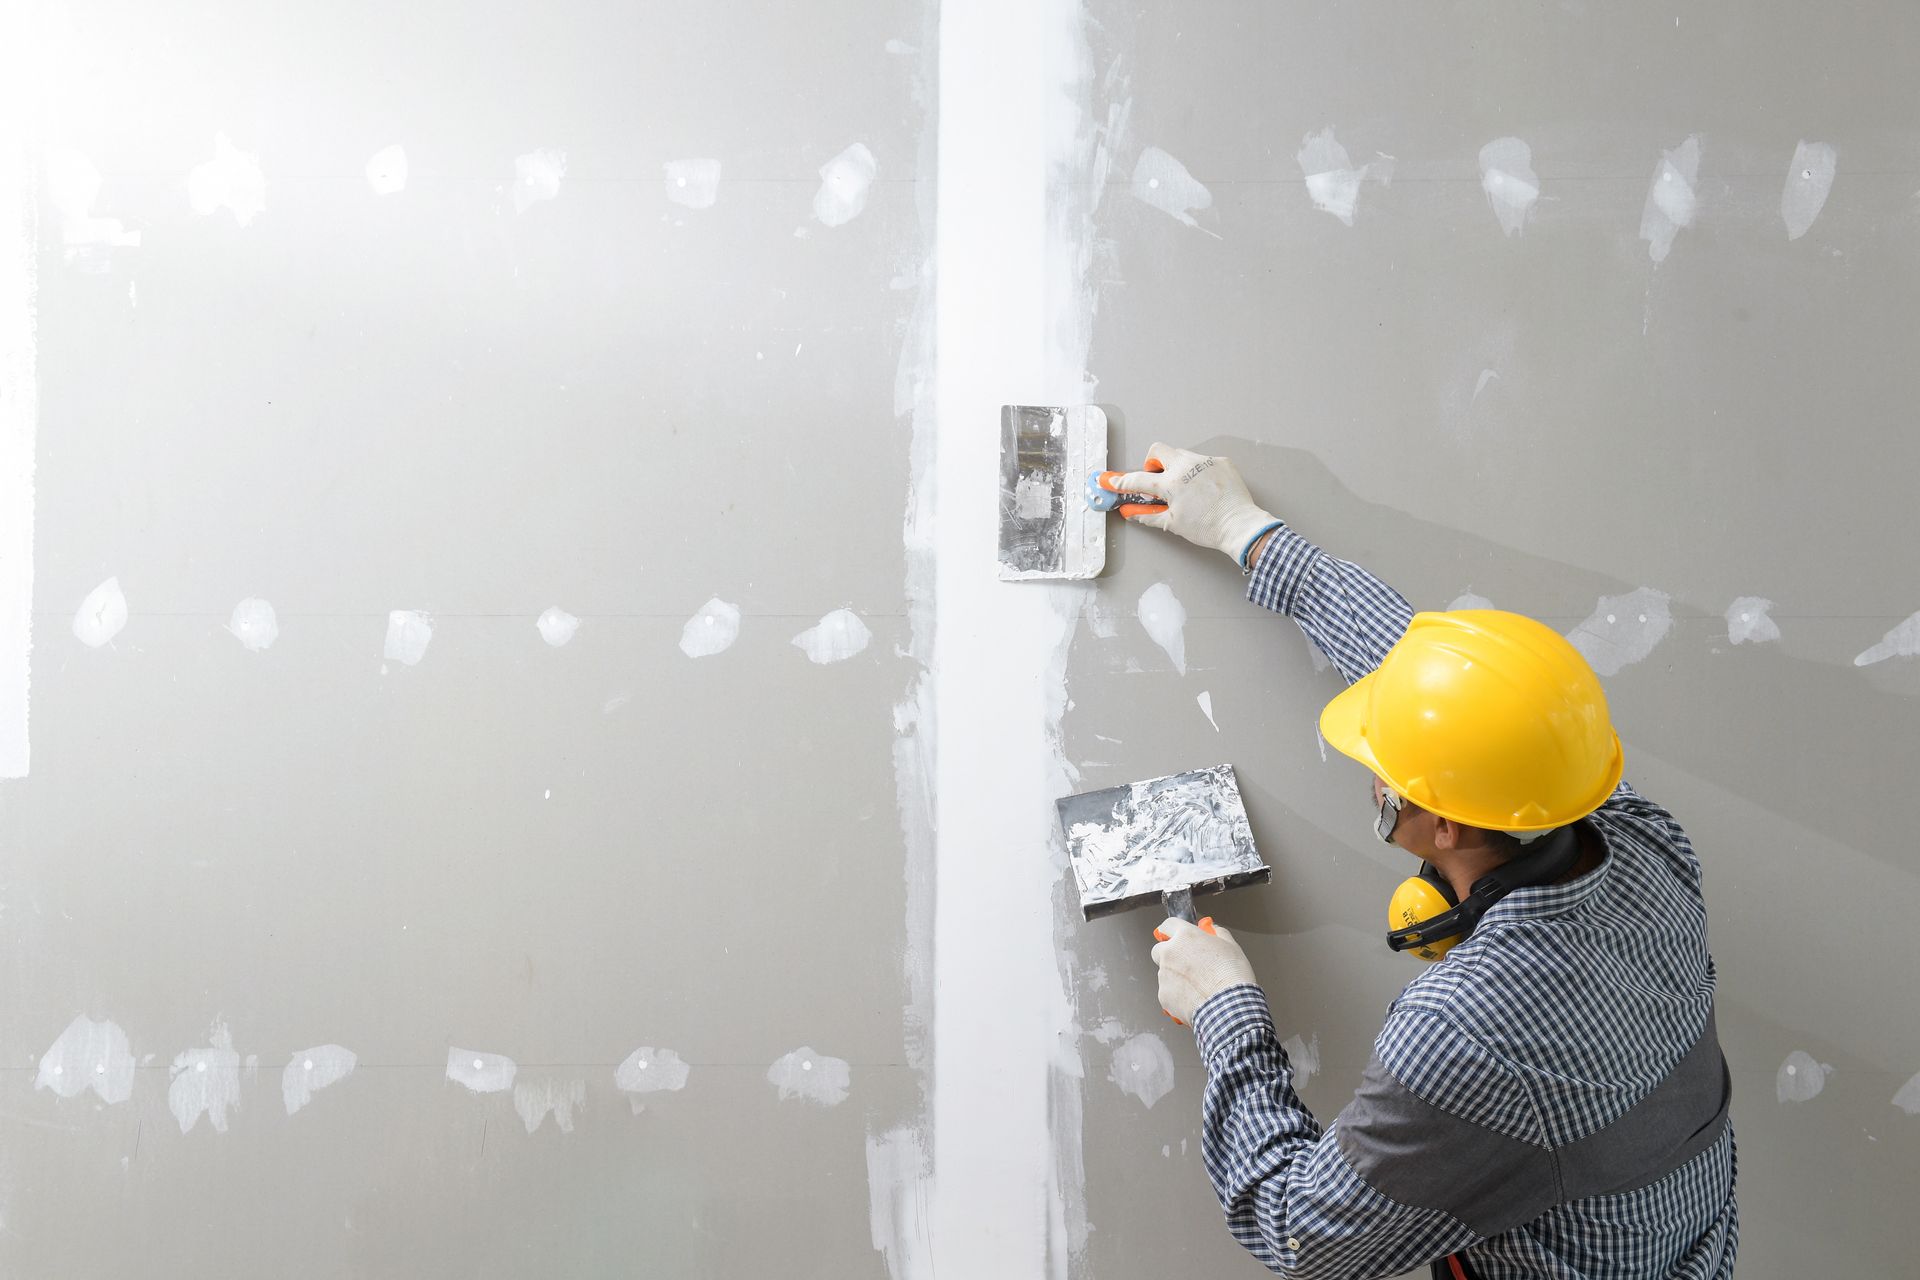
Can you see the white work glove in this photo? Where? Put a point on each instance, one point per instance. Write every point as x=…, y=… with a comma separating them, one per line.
x=1196, y=964
x=1207, y=501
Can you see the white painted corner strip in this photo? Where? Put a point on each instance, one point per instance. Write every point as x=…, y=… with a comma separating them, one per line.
x=1011, y=316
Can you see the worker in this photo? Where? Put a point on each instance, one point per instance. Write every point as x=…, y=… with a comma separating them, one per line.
x=1548, y=1097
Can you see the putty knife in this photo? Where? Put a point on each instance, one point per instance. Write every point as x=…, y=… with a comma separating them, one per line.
x=1165, y=839
x=1047, y=530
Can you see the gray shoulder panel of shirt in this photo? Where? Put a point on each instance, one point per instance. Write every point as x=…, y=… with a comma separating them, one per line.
x=1411, y=1151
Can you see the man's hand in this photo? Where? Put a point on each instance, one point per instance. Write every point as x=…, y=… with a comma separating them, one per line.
x=1207, y=501
x=1196, y=964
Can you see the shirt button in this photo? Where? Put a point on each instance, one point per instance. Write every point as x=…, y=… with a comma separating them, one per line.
x=1293, y=1243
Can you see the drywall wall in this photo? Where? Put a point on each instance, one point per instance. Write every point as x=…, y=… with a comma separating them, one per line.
x=512, y=757
x=463, y=832
x=1530, y=369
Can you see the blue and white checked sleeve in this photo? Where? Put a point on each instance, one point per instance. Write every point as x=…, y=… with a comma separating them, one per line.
x=1290, y=1197
x=1349, y=614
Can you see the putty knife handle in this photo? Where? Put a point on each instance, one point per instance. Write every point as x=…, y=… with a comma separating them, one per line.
x=1179, y=905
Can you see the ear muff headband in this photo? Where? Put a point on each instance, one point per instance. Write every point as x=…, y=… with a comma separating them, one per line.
x=1431, y=936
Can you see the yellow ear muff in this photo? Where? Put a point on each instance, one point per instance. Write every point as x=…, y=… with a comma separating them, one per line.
x=1415, y=900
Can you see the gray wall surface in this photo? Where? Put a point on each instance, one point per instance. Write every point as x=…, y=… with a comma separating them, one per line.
x=516, y=383
x=457, y=400
x=1734, y=421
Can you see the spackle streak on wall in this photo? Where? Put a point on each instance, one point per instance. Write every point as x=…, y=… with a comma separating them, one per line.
x=88, y=1055
x=1012, y=320
x=1165, y=620
x=1671, y=198
x=811, y=1077
x=101, y=615
x=1143, y=1067
x=1512, y=187
x=535, y=1100
x=1163, y=182
x=231, y=180
x=481, y=1072
x=712, y=630
x=310, y=1070
x=254, y=624
x=206, y=1082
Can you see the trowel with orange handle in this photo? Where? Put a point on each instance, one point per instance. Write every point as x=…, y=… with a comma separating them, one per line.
x=1105, y=494
x=1162, y=840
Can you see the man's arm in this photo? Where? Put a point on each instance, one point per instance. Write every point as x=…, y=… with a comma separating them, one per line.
x=1350, y=615
x=1291, y=1194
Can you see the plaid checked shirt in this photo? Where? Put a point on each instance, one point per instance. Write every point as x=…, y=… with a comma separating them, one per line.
x=1547, y=1100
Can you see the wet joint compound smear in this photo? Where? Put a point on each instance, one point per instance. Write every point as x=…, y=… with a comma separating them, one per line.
x=206, y=1082
x=1333, y=184
x=536, y=1100
x=1133, y=841
x=836, y=637
x=694, y=184
x=557, y=626
x=88, y=1055
x=811, y=1077
x=1165, y=620
x=712, y=630
x=1809, y=179
x=1143, y=1067
x=843, y=186
x=650, y=1070
x=311, y=1070
x=1623, y=630
x=1507, y=176
x=101, y=615
x=481, y=1072
x=1671, y=202
x=254, y=624
x=1163, y=182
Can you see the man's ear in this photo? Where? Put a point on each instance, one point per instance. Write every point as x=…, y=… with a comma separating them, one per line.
x=1446, y=833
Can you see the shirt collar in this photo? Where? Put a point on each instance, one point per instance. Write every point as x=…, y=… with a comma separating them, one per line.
x=1543, y=900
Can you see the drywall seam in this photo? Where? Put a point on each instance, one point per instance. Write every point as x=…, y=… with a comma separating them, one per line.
x=899, y=1147
x=1010, y=72
x=19, y=407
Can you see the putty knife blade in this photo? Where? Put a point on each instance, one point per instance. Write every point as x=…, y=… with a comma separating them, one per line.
x=1046, y=528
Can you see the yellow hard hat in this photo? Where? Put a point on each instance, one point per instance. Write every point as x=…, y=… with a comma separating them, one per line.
x=1482, y=717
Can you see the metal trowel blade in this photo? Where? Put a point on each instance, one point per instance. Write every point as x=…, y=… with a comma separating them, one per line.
x=1046, y=528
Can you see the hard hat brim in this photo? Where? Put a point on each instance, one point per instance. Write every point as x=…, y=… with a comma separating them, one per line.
x=1343, y=722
